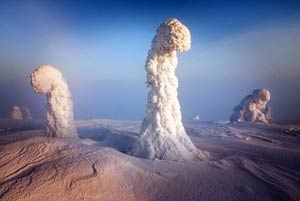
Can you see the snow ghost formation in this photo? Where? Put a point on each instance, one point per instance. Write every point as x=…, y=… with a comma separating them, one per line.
x=15, y=113
x=49, y=80
x=27, y=113
x=253, y=108
x=162, y=135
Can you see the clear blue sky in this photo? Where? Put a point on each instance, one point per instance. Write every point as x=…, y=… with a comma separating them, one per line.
x=101, y=47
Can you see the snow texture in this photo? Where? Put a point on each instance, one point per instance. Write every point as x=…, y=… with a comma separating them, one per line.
x=253, y=108
x=162, y=135
x=26, y=113
x=49, y=80
x=15, y=113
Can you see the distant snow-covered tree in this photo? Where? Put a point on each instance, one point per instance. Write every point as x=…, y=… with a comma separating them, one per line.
x=15, y=113
x=49, y=80
x=253, y=108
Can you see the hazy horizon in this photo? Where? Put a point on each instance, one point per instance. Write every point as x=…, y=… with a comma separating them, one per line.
x=101, y=50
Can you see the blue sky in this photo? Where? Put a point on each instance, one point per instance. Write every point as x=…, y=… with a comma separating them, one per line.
x=101, y=47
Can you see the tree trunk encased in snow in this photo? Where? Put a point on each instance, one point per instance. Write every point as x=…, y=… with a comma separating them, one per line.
x=49, y=80
x=162, y=135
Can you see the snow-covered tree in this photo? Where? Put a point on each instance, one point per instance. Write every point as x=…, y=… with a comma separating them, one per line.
x=27, y=114
x=253, y=108
x=162, y=135
x=49, y=80
x=15, y=113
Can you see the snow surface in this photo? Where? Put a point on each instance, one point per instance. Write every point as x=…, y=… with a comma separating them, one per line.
x=49, y=80
x=250, y=161
x=162, y=135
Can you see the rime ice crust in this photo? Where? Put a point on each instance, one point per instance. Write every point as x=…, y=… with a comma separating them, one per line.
x=15, y=113
x=49, y=80
x=162, y=135
x=253, y=108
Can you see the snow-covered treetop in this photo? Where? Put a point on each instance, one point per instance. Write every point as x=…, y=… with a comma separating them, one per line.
x=261, y=95
x=43, y=78
x=48, y=79
x=172, y=35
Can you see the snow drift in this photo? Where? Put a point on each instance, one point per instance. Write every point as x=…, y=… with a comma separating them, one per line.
x=253, y=107
x=49, y=80
x=162, y=135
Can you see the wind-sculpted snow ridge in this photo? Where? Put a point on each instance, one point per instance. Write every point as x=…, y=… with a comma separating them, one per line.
x=162, y=135
x=49, y=80
x=15, y=113
x=253, y=108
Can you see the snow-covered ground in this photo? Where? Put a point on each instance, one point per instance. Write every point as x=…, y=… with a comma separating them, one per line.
x=251, y=161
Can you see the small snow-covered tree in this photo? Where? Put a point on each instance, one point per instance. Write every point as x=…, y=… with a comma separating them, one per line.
x=253, y=108
x=162, y=135
x=15, y=113
x=27, y=113
x=49, y=80
x=196, y=118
